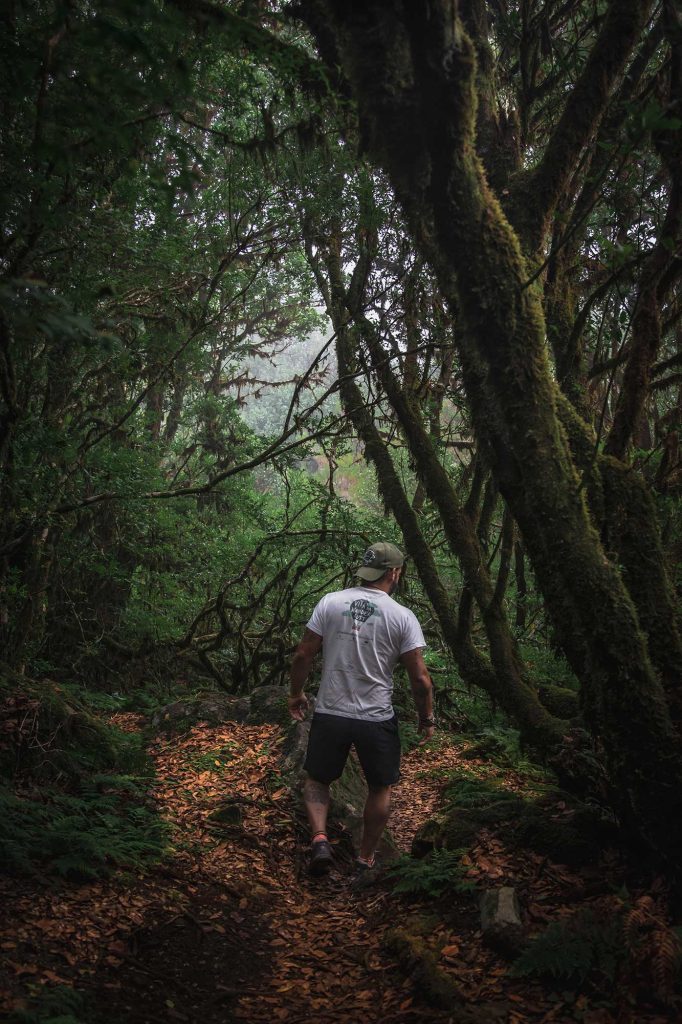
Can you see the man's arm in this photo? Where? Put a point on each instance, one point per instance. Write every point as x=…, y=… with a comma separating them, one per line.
x=301, y=664
x=422, y=689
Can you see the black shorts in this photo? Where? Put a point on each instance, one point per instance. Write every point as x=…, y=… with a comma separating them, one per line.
x=377, y=745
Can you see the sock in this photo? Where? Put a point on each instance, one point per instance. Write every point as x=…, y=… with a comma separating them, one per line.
x=319, y=836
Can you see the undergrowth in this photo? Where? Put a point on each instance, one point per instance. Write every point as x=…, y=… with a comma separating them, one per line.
x=502, y=746
x=46, y=733
x=73, y=788
x=432, y=876
x=614, y=944
x=59, y=1005
x=213, y=760
x=82, y=837
x=573, y=948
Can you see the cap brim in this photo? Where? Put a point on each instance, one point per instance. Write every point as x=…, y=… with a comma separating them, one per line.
x=365, y=572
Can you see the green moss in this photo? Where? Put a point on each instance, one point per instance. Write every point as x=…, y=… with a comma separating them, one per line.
x=415, y=956
x=574, y=842
x=457, y=828
x=561, y=701
x=57, y=737
x=570, y=834
x=268, y=704
x=474, y=792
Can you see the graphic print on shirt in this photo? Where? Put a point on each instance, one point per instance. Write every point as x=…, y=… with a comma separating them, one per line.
x=360, y=610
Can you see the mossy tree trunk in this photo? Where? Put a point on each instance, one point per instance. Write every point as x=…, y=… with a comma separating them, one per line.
x=412, y=69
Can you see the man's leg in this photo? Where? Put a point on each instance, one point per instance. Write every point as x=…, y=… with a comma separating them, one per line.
x=328, y=747
x=378, y=748
x=377, y=810
x=316, y=799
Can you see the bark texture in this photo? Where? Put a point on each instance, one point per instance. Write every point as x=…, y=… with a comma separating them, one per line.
x=412, y=68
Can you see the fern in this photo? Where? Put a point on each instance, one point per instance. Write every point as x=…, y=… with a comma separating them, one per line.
x=665, y=959
x=655, y=949
x=572, y=949
x=631, y=942
x=60, y=1005
x=441, y=871
x=82, y=837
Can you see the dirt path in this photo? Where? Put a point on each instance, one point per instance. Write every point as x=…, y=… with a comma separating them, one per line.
x=231, y=928
x=313, y=948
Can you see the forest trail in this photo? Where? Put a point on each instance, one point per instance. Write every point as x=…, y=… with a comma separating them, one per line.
x=232, y=928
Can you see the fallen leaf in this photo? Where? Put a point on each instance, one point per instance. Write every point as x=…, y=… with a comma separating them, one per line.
x=56, y=978
x=23, y=968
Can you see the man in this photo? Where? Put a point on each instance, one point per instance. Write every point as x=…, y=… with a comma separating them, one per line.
x=363, y=633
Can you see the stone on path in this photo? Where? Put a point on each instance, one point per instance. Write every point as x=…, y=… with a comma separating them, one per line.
x=501, y=923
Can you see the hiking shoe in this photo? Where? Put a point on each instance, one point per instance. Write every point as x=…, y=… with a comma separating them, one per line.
x=365, y=876
x=321, y=857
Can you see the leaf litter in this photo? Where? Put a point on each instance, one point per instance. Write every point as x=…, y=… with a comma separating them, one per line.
x=231, y=924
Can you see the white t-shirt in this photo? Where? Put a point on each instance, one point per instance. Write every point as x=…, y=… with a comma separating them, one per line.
x=364, y=632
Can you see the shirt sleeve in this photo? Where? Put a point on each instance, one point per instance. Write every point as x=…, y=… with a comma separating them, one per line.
x=316, y=622
x=412, y=634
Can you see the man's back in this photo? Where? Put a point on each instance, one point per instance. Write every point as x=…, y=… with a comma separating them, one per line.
x=364, y=632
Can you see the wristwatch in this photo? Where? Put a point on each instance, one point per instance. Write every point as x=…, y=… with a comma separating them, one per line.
x=430, y=722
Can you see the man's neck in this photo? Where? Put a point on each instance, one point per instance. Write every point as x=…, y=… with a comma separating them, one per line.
x=383, y=586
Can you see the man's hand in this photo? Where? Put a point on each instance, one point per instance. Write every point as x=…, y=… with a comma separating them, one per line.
x=422, y=691
x=298, y=707
x=301, y=665
x=427, y=732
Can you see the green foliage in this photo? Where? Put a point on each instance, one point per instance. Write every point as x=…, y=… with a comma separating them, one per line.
x=214, y=760
x=432, y=876
x=501, y=746
x=51, y=734
x=540, y=817
x=58, y=1005
x=80, y=837
x=474, y=792
x=409, y=736
x=575, y=948
x=78, y=807
x=161, y=311
x=546, y=665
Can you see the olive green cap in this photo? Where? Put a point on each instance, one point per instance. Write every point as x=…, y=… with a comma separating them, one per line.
x=378, y=559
